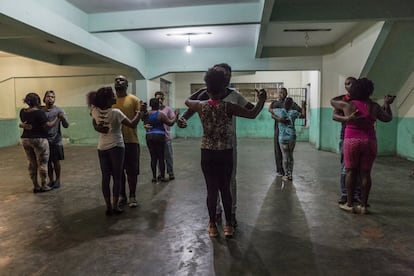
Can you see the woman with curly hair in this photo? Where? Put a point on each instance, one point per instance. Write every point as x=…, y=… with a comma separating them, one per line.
x=34, y=140
x=111, y=148
x=360, y=141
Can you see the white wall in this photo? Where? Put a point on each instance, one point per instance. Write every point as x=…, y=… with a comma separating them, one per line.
x=313, y=79
x=73, y=83
x=182, y=86
x=7, y=100
x=347, y=61
x=405, y=99
x=291, y=79
x=19, y=75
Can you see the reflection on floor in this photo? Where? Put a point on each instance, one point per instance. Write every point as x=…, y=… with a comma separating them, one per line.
x=285, y=228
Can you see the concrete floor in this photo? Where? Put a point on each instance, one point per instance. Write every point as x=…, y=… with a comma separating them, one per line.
x=284, y=228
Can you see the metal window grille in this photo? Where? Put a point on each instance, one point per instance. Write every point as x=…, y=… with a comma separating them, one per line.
x=248, y=90
x=272, y=89
x=298, y=95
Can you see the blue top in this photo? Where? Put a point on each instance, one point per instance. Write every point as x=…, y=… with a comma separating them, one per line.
x=157, y=125
x=287, y=132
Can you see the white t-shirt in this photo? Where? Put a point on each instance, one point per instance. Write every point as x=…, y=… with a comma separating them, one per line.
x=111, y=118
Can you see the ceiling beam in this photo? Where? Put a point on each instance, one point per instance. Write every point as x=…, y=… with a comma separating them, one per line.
x=225, y=14
x=20, y=49
x=267, y=12
x=339, y=10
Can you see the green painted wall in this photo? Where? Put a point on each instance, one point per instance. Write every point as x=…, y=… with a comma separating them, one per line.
x=261, y=127
x=9, y=132
x=330, y=133
x=80, y=129
x=329, y=130
x=314, y=114
x=405, y=145
x=387, y=137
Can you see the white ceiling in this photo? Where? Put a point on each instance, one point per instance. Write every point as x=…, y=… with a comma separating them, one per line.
x=262, y=28
x=98, y=6
x=240, y=35
x=221, y=36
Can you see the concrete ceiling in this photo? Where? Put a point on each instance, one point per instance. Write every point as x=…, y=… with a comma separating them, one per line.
x=277, y=28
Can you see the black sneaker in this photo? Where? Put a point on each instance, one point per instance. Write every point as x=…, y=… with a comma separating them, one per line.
x=172, y=177
x=233, y=220
x=117, y=210
x=219, y=219
x=51, y=184
x=343, y=200
x=123, y=201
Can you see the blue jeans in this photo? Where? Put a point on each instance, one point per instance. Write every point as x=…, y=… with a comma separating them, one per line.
x=287, y=153
x=168, y=154
x=357, y=193
x=278, y=151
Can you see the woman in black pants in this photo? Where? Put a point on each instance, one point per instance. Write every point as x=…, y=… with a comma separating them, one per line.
x=156, y=137
x=216, y=144
x=111, y=148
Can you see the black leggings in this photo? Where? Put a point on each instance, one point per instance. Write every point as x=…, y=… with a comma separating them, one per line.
x=112, y=162
x=217, y=166
x=156, y=145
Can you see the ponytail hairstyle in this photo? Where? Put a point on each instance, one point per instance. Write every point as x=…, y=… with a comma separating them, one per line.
x=90, y=98
x=216, y=80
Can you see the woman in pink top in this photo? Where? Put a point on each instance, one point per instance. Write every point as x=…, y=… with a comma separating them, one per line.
x=360, y=142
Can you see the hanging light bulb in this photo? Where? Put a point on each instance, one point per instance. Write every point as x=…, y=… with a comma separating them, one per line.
x=188, y=49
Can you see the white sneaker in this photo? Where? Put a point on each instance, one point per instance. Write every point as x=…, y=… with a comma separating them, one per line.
x=346, y=207
x=132, y=202
x=361, y=210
